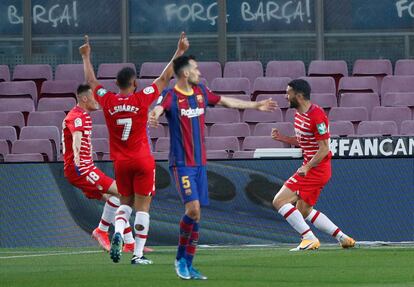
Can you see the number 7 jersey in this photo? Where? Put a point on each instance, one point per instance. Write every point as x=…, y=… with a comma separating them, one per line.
x=127, y=120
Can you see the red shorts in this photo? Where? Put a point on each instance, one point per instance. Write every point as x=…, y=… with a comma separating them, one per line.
x=93, y=183
x=135, y=176
x=309, y=187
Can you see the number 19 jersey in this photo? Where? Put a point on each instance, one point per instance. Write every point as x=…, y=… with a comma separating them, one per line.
x=126, y=118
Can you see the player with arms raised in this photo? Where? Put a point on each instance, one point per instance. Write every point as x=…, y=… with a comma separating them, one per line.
x=304, y=187
x=126, y=115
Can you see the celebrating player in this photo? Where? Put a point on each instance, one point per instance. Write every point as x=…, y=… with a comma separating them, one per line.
x=126, y=116
x=185, y=107
x=80, y=170
x=304, y=187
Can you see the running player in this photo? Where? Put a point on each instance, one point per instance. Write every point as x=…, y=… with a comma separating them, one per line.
x=126, y=115
x=304, y=187
x=79, y=168
x=185, y=108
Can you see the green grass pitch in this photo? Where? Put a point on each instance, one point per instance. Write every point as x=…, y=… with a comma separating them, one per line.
x=233, y=266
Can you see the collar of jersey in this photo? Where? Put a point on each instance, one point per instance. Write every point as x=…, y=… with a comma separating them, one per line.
x=188, y=94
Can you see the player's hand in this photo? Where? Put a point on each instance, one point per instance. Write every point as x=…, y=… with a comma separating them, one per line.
x=85, y=49
x=267, y=105
x=276, y=135
x=303, y=170
x=183, y=43
x=152, y=119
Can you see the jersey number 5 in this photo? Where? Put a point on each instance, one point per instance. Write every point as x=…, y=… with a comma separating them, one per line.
x=127, y=123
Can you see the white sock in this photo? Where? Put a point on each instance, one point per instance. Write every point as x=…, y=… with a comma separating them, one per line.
x=323, y=223
x=108, y=214
x=296, y=220
x=122, y=218
x=128, y=237
x=141, y=226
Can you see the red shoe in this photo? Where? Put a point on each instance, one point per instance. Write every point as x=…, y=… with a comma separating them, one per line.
x=148, y=249
x=129, y=247
x=102, y=238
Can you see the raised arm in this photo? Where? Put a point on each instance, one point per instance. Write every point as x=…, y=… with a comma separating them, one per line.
x=85, y=51
x=266, y=105
x=164, y=79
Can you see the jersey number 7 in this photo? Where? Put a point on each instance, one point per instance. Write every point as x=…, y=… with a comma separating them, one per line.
x=127, y=123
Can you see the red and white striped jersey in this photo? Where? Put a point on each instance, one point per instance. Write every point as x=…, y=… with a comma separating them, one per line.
x=311, y=127
x=78, y=120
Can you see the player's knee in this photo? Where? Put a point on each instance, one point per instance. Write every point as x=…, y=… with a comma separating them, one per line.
x=277, y=203
x=194, y=213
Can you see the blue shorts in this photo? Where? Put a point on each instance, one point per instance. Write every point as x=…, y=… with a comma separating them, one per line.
x=191, y=183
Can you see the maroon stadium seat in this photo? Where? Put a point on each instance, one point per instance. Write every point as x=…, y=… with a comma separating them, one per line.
x=42, y=146
x=367, y=84
x=4, y=149
x=110, y=71
x=407, y=127
x=18, y=90
x=270, y=85
x=157, y=132
x=100, y=131
x=51, y=133
x=151, y=70
x=98, y=117
x=25, y=157
x=231, y=86
x=162, y=144
x=4, y=73
x=14, y=119
x=71, y=72
x=230, y=129
x=210, y=70
x=404, y=67
x=280, y=99
x=24, y=105
x=377, y=128
x=8, y=133
x=37, y=73
x=222, y=115
x=59, y=88
x=377, y=68
x=354, y=115
x=56, y=104
x=341, y=128
x=254, y=142
x=367, y=100
x=246, y=69
x=291, y=69
x=227, y=143
x=54, y=118
x=396, y=114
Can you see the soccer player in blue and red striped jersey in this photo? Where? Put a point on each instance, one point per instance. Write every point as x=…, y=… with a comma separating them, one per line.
x=185, y=107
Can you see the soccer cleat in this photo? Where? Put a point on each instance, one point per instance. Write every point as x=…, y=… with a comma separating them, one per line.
x=181, y=269
x=140, y=260
x=102, y=238
x=307, y=244
x=347, y=242
x=195, y=274
x=116, y=247
x=129, y=247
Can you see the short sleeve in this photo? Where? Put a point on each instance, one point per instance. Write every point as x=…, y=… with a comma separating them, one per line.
x=148, y=95
x=212, y=98
x=165, y=100
x=320, y=126
x=101, y=94
x=76, y=125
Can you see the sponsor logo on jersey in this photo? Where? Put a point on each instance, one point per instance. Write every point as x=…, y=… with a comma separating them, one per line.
x=149, y=90
x=322, y=128
x=123, y=108
x=101, y=92
x=78, y=122
x=191, y=113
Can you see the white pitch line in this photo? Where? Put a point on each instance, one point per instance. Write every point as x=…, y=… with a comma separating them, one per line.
x=50, y=254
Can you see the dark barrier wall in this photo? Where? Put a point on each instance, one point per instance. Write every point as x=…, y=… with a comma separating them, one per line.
x=371, y=199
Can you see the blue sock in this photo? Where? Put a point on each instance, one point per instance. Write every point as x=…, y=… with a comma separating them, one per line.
x=186, y=226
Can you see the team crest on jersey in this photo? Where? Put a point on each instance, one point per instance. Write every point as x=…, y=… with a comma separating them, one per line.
x=149, y=90
x=78, y=122
x=322, y=128
x=200, y=98
x=101, y=92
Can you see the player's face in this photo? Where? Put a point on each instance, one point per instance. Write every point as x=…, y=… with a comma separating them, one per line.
x=292, y=98
x=193, y=73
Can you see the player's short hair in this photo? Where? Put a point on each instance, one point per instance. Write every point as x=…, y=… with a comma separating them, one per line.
x=82, y=88
x=302, y=87
x=180, y=63
x=124, y=77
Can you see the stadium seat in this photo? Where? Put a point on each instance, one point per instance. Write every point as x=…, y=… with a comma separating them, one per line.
x=367, y=100
x=255, y=142
x=46, y=119
x=25, y=157
x=324, y=100
x=407, y=128
x=98, y=117
x=404, y=67
x=51, y=133
x=172, y=83
x=367, y=84
x=334, y=69
x=4, y=73
x=151, y=70
x=110, y=85
x=162, y=145
x=37, y=73
x=222, y=115
x=403, y=85
x=18, y=90
x=42, y=146
x=341, y=128
x=290, y=115
x=377, y=128
x=56, y=104
x=377, y=68
x=321, y=85
x=231, y=86
x=227, y=143
x=354, y=114
x=265, y=129
x=143, y=83
x=280, y=99
x=270, y=85
x=14, y=119
x=398, y=100
x=396, y=114
x=157, y=132
x=71, y=72
x=4, y=149
x=100, y=146
x=242, y=154
x=255, y=116
x=290, y=69
x=217, y=154
x=24, y=105
x=110, y=71
x=210, y=70
x=240, y=130
x=100, y=131
x=8, y=133
x=162, y=155
x=60, y=88
x=246, y=69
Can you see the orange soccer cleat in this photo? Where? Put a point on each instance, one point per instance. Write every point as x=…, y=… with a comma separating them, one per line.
x=102, y=238
x=348, y=242
x=307, y=244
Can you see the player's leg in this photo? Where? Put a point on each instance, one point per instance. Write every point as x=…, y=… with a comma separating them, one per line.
x=283, y=204
x=323, y=223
